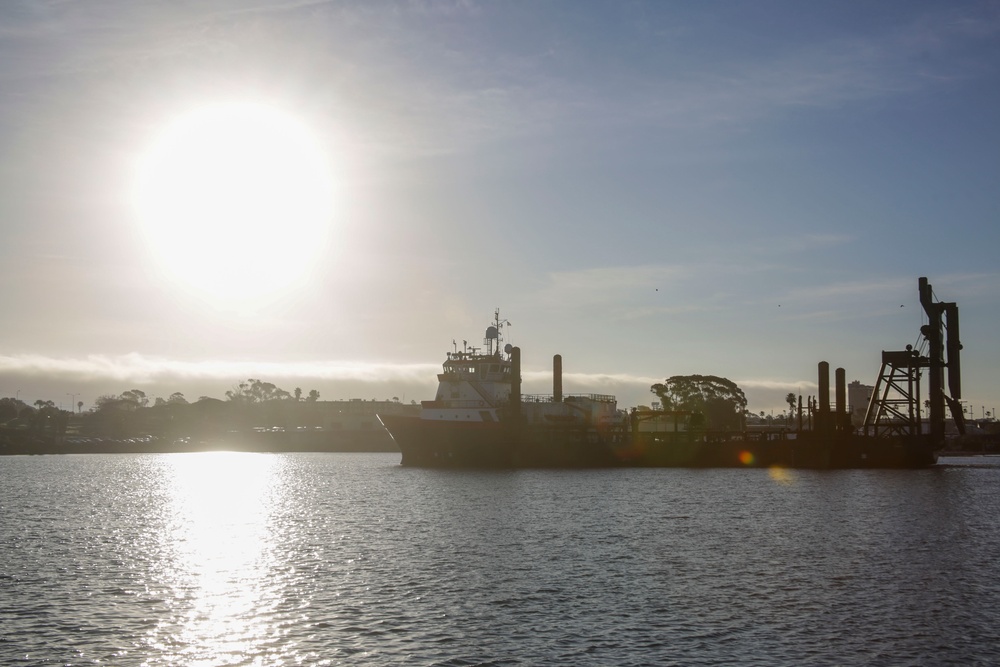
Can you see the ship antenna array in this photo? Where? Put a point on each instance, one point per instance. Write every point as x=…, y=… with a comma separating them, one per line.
x=495, y=333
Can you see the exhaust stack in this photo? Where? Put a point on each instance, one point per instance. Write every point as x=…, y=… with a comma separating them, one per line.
x=515, y=384
x=842, y=419
x=823, y=416
x=557, y=392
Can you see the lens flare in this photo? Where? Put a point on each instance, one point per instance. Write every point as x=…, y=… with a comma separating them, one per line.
x=780, y=475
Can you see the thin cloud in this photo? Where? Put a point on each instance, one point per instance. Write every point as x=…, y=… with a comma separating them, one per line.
x=141, y=369
x=800, y=243
x=603, y=281
x=593, y=379
x=775, y=385
x=850, y=289
x=827, y=74
x=637, y=292
x=357, y=379
x=878, y=290
x=727, y=92
x=428, y=96
x=954, y=285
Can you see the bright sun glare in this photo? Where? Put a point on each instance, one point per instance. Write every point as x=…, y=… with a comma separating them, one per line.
x=235, y=200
x=219, y=546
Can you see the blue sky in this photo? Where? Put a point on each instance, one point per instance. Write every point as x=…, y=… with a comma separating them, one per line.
x=648, y=188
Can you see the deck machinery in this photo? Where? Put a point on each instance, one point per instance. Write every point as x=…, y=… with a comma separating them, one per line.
x=898, y=432
x=894, y=409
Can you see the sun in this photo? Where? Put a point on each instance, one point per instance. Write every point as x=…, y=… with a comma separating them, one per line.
x=235, y=201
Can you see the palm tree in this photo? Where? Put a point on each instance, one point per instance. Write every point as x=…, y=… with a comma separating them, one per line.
x=790, y=399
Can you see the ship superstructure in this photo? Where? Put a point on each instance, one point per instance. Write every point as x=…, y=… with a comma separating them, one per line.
x=474, y=383
x=479, y=416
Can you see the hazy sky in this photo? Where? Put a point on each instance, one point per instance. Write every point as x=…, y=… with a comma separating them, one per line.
x=648, y=188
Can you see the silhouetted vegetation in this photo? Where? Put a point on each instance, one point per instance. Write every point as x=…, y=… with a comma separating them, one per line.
x=250, y=404
x=10, y=408
x=714, y=402
x=254, y=408
x=23, y=423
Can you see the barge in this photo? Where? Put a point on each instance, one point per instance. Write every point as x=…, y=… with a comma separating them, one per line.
x=480, y=419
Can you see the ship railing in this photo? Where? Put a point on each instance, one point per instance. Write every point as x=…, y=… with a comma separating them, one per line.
x=453, y=403
x=692, y=437
x=568, y=398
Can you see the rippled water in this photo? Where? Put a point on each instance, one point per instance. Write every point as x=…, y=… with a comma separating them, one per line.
x=258, y=559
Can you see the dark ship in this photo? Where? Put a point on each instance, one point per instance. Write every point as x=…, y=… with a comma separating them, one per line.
x=480, y=419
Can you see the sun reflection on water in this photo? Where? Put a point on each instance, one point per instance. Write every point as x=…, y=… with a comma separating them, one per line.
x=221, y=549
x=780, y=475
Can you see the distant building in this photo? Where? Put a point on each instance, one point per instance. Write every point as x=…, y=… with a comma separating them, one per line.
x=858, y=397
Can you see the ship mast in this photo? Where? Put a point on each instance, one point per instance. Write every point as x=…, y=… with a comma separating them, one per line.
x=494, y=334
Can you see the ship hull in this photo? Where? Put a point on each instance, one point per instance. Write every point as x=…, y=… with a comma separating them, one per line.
x=447, y=444
x=807, y=451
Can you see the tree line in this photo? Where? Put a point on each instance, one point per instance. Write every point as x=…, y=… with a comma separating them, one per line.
x=251, y=403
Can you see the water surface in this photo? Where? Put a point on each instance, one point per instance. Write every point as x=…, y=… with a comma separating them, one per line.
x=349, y=559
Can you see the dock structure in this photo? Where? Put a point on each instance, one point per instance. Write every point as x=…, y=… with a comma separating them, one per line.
x=897, y=430
x=895, y=406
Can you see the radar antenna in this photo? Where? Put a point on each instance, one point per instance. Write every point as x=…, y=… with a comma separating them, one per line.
x=494, y=335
